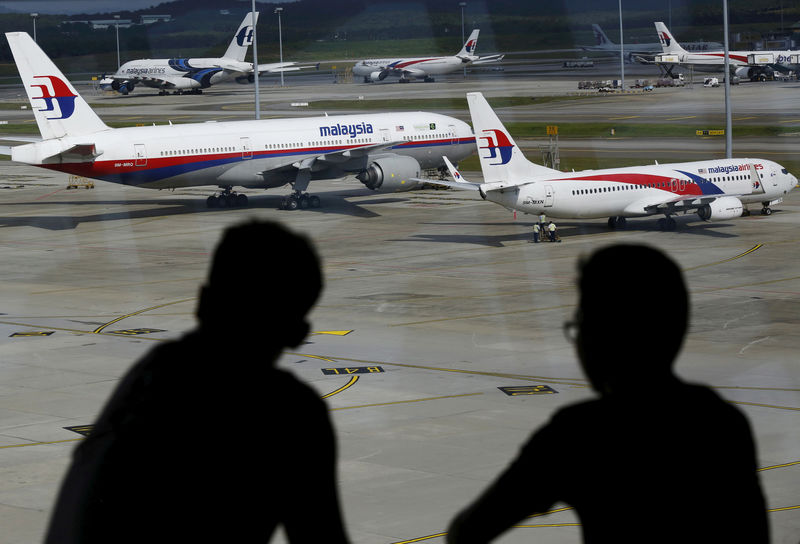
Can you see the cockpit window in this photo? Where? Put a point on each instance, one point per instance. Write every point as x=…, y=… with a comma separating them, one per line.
x=784, y=170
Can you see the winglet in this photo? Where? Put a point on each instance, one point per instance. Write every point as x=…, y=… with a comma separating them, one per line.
x=453, y=171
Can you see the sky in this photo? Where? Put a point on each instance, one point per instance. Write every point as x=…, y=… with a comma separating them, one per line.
x=77, y=6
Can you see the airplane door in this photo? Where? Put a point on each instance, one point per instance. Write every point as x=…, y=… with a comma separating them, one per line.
x=140, y=155
x=247, y=152
x=548, y=196
x=451, y=130
x=385, y=135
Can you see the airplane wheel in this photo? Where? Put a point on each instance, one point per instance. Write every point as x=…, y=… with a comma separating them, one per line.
x=211, y=202
x=745, y=213
x=290, y=203
x=766, y=211
x=241, y=200
x=303, y=202
x=314, y=201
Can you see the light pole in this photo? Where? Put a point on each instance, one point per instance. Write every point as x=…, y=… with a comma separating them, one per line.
x=116, y=28
x=728, y=118
x=255, y=59
x=34, y=16
x=621, y=48
x=280, y=39
x=462, y=5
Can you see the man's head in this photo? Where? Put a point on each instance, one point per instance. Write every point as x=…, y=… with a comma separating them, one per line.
x=632, y=316
x=263, y=281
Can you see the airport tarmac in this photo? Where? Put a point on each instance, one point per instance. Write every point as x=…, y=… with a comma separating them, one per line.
x=434, y=301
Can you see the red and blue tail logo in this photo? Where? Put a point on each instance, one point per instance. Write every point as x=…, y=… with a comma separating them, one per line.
x=245, y=36
x=665, y=39
x=470, y=46
x=499, y=142
x=61, y=96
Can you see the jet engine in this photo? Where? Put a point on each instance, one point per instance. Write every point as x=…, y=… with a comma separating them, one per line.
x=245, y=79
x=378, y=75
x=720, y=209
x=125, y=87
x=390, y=174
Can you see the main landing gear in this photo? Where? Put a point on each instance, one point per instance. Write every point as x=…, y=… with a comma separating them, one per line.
x=617, y=222
x=667, y=223
x=300, y=200
x=227, y=199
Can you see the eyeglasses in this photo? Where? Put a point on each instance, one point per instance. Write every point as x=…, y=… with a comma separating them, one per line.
x=571, y=330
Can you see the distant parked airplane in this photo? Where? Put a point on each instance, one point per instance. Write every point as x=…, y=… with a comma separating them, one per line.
x=750, y=64
x=422, y=67
x=635, y=50
x=194, y=75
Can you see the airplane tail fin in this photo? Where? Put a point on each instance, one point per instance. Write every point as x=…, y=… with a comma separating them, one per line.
x=58, y=108
x=469, y=46
x=501, y=158
x=669, y=45
x=243, y=38
x=600, y=36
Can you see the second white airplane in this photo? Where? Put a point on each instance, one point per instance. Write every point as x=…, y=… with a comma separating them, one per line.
x=422, y=67
x=716, y=189
x=194, y=75
x=749, y=64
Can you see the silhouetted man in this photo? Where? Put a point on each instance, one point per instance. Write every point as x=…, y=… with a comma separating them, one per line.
x=653, y=459
x=204, y=440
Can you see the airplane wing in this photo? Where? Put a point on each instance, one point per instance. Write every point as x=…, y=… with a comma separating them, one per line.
x=458, y=183
x=488, y=59
x=323, y=160
x=277, y=67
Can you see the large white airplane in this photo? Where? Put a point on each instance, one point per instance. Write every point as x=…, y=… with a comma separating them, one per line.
x=384, y=150
x=749, y=64
x=716, y=189
x=194, y=75
x=423, y=67
x=635, y=50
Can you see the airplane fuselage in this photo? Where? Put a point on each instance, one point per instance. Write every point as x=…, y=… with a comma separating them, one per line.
x=198, y=73
x=633, y=191
x=416, y=67
x=250, y=153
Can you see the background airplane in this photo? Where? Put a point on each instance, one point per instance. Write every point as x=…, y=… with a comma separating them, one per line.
x=749, y=64
x=384, y=150
x=194, y=75
x=715, y=189
x=635, y=50
x=422, y=67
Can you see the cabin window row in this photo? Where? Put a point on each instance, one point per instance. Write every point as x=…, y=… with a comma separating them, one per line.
x=175, y=152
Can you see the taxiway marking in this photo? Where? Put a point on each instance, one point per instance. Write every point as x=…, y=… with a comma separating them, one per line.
x=352, y=381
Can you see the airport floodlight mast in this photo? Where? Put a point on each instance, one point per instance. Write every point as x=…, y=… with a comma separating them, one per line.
x=255, y=60
x=280, y=38
x=621, y=49
x=34, y=16
x=116, y=31
x=462, y=5
x=728, y=120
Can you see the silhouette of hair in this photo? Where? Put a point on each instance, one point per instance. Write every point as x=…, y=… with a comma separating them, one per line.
x=632, y=315
x=261, y=273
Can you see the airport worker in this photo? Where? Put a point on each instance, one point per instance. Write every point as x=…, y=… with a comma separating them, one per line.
x=204, y=439
x=536, y=232
x=650, y=458
x=551, y=229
